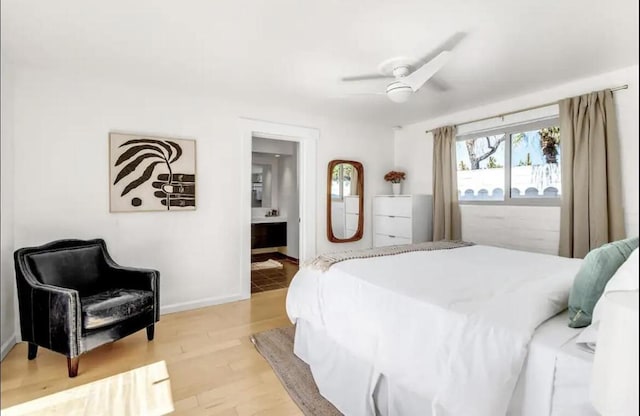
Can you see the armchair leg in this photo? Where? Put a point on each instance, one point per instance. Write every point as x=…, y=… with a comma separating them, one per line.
x=33, y=351
x=72, y=365
x=150, y=332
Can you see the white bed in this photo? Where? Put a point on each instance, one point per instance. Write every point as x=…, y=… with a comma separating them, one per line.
x=441, y=332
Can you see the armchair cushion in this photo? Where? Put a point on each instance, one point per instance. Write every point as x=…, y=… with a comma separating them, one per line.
x=113, y=306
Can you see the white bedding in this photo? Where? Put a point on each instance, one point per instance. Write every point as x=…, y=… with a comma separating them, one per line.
x=556, y=376
x=452, y=326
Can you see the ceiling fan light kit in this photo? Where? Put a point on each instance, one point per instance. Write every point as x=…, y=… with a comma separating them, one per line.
x=399, y=92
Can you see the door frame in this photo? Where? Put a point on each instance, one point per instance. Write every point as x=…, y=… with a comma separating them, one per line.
x=307, y=139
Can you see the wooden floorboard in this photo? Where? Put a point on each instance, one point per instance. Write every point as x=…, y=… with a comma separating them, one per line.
x=213, y=366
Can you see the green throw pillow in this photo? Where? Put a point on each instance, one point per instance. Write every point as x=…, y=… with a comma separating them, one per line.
x=598, y=267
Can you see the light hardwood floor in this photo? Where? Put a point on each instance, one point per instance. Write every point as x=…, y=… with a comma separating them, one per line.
x=213, y=366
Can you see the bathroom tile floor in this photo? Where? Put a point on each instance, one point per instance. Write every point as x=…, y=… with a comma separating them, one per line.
x=269, y=279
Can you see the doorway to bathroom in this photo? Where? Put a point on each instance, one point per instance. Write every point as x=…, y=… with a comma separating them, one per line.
x=274, y=213
x=282, y=245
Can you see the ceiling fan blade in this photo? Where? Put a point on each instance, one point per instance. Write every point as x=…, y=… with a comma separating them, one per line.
x=448, y=45
x=420, y=76
x=365, y=77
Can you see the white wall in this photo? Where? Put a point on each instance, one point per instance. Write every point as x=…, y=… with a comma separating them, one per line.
x=7, y=279
x=61, y=176
x=289, y=202
x=538, y=227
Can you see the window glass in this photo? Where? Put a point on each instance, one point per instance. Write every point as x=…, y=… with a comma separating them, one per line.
x=535, y=163
x=480, y=164
x=342, y=178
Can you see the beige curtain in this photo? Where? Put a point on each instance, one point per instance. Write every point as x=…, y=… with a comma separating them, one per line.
x=446, y=211
x=591, y=179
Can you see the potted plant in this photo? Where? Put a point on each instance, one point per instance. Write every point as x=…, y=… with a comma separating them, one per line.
x=396, y=179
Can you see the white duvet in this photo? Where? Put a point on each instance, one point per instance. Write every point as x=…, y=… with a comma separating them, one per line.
x=451, y=326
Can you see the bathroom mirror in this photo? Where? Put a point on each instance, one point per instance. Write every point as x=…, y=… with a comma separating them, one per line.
x=261, y=186
x=345, y=201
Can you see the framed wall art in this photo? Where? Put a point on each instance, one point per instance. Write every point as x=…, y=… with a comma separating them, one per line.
x=151, y=173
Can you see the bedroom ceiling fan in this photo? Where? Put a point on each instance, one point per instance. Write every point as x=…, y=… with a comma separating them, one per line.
x=408, y=78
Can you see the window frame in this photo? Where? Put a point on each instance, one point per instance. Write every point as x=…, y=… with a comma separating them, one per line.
x=508, y=131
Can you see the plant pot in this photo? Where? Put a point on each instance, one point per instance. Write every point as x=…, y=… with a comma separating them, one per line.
x=396, y=188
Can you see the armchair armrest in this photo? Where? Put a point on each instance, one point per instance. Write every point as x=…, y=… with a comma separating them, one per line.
x=133, y=278
x=55, y=318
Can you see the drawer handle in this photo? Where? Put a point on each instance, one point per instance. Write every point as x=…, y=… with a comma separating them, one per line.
x=392, y=216
x=392, y=236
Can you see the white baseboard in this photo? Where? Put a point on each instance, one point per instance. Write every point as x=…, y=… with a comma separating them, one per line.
x=201, y=303
x=6, y=347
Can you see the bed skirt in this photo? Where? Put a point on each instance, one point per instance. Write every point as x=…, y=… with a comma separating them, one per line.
x=547, y=385
x=346, y=380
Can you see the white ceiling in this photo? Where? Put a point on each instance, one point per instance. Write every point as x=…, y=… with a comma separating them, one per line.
x=292, y=53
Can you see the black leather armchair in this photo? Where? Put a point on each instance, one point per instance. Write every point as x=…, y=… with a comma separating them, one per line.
x=73, y=298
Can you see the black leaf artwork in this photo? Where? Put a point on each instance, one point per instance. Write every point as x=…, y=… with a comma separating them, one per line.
x=178, y=150
x=161, y=150
x=152, y=141
x=131, y=166
x=142, y=179
x=132, y=151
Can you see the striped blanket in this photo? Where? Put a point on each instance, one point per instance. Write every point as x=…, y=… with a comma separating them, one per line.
x=324, y=261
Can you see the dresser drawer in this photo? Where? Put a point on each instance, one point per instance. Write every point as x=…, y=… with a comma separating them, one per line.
x=352, y=204
x=381, y=240
x=390, y=225
x=388, y=205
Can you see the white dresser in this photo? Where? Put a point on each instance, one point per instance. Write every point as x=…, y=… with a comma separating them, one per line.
x=351, y=215
x=401, y=219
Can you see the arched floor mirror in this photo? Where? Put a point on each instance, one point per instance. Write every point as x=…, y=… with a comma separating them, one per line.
x=345, y=201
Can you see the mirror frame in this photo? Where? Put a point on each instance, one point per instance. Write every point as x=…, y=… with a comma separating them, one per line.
x=360, y=189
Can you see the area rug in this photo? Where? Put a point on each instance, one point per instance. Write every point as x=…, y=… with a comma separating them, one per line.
x=276, y=346
x=264, y=265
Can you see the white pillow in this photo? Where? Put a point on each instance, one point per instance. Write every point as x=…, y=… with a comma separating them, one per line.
x=625, y=278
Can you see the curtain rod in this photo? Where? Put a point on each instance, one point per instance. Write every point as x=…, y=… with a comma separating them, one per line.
x=621, y=87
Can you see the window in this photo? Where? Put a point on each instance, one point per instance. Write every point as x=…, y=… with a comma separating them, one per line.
x=520, y=164
x=341, y=179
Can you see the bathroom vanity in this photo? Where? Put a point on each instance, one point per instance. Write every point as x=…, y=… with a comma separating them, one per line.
x=268, y=232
